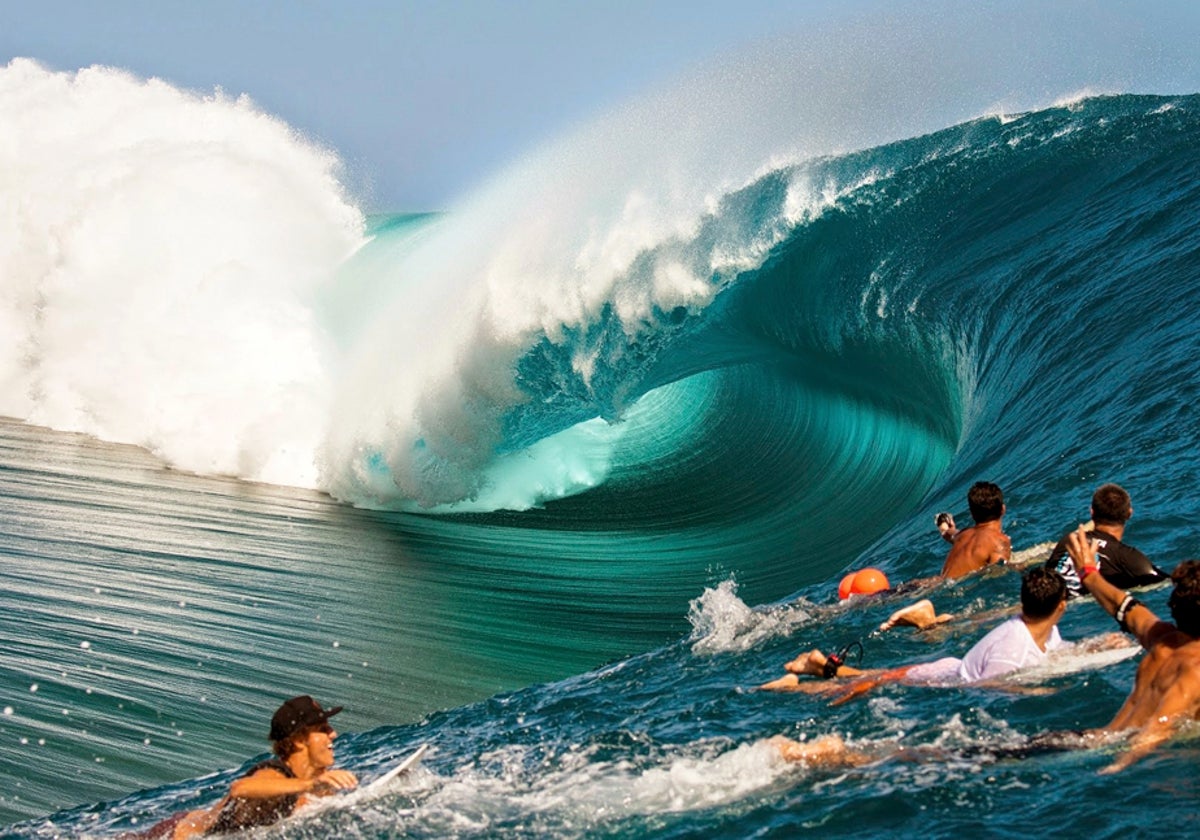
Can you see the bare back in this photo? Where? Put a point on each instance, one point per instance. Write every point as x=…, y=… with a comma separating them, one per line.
x=977, y=547
x=1167, y=687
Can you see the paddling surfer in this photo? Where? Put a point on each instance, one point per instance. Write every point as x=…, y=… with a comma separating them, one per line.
x=983, y=544
x=1019, y=642
x=971, y=549
x=302, y=768
x=1166, y=686
x=1121, y=564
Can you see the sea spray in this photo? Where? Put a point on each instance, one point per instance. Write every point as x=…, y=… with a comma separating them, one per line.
x=164, y=250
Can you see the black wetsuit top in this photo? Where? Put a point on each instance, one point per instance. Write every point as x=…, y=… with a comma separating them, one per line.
x=1122, y=565
x=242, y=813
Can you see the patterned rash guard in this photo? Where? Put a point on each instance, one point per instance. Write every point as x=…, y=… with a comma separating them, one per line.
x=1121, y=565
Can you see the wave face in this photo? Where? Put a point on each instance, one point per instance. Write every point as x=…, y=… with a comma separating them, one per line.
x=849, y=333
x=187, y=276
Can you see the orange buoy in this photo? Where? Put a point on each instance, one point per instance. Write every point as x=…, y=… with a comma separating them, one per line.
x=863, y=582
x=846, y=587
x=870, y=581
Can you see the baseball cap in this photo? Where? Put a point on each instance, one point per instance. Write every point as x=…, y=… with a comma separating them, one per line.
x=299, y=713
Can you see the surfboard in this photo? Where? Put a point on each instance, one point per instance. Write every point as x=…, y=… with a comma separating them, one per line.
x=1075, y=659
x=407, y=763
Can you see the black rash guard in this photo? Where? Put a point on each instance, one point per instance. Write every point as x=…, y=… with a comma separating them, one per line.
x=1121, y=565
x=240, y=813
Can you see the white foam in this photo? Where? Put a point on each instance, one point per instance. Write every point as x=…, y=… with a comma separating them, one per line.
x=574, y=794
x=723, y=623
x=162, y=252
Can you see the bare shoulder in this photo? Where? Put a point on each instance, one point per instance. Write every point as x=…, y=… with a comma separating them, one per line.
x=1175, y=660
x=1000, y=542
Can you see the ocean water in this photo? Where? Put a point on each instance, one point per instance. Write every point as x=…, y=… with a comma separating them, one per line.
x=553, y=486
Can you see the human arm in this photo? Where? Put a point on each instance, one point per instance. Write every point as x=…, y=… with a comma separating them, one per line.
x=269, y=782
x=195, y=823
x=1140, y=570
x=1124, y=566
x=1144, y=742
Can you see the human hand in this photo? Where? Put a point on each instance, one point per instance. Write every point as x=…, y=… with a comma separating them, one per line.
x=1082, y=549
x=334, y=780
x=1107, y=641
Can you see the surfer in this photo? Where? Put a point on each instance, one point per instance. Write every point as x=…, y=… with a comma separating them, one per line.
x=1019, y=642
x=1166, y=686
x=1121, y=565
x=983, y=544
x=302, y=741
x=971, y=549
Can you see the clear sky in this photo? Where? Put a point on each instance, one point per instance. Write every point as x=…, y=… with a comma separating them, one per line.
x=421, y=98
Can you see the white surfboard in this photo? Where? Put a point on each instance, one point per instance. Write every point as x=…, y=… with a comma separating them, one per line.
x=376, y=787
x=1077, y=658
x=409, y=761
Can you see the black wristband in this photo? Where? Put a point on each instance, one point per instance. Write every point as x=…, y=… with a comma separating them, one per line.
x=1122, y=613
x=831, y=666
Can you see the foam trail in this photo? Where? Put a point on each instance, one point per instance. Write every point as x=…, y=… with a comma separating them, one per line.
x=163, y=252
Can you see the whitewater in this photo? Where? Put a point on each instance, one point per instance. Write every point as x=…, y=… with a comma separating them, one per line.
x=552, y=479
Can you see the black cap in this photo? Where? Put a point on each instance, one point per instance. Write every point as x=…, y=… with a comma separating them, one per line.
x=297, y=714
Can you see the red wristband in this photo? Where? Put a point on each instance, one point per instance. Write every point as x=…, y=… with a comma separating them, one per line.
x=1086, y=570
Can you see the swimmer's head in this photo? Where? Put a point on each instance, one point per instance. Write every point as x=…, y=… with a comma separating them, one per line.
x=1184, y=602
x=1042, y=592
x=986, y=502
x=1111, y=505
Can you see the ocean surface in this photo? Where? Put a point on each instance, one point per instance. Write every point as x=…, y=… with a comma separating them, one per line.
x=552, y=489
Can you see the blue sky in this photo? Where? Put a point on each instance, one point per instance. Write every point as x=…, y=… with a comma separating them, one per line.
x=422, y=99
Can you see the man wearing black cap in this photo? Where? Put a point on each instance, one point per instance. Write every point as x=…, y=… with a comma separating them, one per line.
x=302, y=741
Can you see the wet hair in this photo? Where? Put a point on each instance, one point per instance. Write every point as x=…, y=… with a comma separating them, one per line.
x=986, y=501
x=1042, y=590
x=286, y=746
x=1111, y=505
x=1184, y=602
x=291, y=744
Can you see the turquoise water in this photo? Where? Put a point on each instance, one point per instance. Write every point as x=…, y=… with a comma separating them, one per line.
x=564, y=540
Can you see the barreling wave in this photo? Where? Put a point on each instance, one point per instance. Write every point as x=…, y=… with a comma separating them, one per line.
x=835, y=326
x=848, y=321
